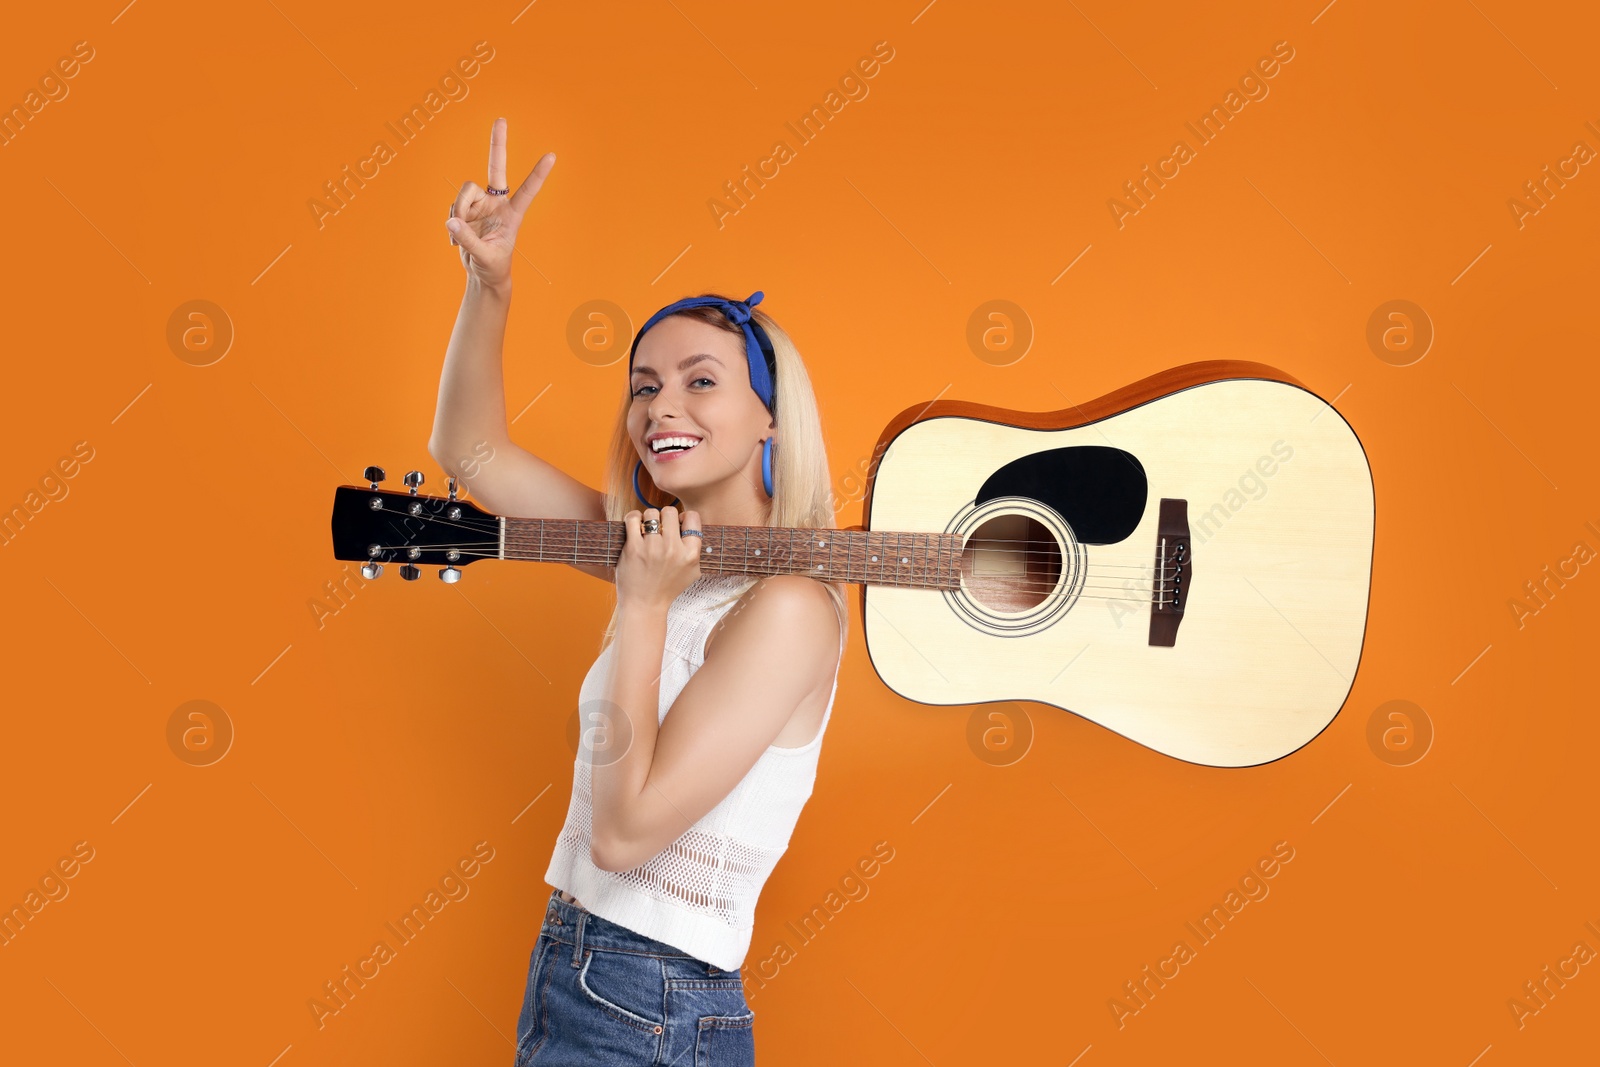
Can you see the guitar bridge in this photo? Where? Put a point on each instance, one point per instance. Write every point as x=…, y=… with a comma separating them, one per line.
x=1174, y=568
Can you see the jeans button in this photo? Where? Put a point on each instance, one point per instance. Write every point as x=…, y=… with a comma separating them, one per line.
x=658, y=1029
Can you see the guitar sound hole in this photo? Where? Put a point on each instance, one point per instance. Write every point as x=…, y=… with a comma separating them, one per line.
x=1010, y=563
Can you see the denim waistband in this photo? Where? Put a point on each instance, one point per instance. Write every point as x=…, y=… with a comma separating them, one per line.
x=581, y=928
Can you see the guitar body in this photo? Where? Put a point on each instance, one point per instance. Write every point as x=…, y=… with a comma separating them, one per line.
x=1224, y=489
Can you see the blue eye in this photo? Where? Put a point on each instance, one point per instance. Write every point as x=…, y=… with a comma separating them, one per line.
x=697, y=381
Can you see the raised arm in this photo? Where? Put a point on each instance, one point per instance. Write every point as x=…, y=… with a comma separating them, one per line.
x=471, y=438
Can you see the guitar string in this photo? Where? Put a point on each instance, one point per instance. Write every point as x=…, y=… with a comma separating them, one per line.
x=553, y=554
x=610, y=560
x=1101, y=558
x=1043, y=597
x=493, y=534
x=1035, y=587
x=1047, y=589
x=607, y=560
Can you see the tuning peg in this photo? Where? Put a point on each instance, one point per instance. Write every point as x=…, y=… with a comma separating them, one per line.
x=413, y=479
x=450, y=482
x=373, y=475
x=450, y=575
x=371, y=571
x=410, y=571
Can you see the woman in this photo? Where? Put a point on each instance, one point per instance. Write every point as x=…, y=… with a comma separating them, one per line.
x=704, y=713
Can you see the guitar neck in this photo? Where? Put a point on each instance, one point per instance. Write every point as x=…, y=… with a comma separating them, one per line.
x=872, y=557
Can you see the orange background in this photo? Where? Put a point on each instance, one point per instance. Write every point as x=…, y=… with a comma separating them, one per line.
x=374, y=751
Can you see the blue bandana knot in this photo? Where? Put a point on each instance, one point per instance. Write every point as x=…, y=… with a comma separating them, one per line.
x=740, y=314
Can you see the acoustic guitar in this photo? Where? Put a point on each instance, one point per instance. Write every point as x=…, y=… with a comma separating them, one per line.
x=1185, y=561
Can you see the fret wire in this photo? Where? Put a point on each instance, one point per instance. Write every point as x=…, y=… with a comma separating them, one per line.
x=931, y=558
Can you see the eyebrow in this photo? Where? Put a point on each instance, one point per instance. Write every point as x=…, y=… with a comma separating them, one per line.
x=686, y=364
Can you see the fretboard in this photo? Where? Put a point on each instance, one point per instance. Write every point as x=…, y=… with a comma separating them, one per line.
x=872, y=557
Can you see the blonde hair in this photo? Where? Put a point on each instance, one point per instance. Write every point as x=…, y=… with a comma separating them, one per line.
x=802, y=494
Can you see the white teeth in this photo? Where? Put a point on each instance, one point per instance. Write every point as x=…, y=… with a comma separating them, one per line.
x=667, y=442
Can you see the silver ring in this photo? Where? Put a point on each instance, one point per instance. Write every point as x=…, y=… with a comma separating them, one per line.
x=650, y=526
x=492, y=191
x=691, y=533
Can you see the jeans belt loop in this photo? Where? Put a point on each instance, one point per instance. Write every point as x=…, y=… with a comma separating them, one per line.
x=577, y=939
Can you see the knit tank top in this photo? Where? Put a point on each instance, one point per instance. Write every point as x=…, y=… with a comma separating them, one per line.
x=699, y=893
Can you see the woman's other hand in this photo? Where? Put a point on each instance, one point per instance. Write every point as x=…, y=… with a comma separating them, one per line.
x=485, y=225
x=654, y=568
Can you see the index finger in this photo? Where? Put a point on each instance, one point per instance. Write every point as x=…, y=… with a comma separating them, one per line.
x=497, y=155
x=523, y=197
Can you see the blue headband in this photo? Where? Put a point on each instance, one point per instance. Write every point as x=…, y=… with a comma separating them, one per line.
x=757, y=345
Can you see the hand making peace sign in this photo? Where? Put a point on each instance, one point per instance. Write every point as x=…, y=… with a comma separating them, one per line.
x=485, y=224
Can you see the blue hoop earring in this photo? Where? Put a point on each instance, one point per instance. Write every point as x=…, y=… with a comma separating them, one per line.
x=636, y=491
x=766, y=465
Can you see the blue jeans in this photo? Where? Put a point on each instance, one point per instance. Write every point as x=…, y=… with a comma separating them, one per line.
x=600, y=994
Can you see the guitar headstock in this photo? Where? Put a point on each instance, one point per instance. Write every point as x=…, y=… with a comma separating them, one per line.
x=376, y=527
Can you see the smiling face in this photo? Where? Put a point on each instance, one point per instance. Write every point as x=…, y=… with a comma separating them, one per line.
x=691, y=381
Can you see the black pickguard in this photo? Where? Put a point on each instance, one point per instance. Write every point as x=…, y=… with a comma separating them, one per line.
x=1101, y=492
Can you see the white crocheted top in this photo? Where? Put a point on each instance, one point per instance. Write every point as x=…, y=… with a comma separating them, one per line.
x=699, y=893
